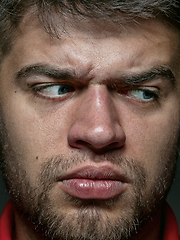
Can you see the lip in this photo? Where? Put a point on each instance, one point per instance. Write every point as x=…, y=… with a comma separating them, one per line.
x=94, y=182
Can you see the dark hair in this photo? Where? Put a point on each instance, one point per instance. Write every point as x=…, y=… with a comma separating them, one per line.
x=12, y=11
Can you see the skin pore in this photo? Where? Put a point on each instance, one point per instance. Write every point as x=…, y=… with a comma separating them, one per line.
x=105, y=98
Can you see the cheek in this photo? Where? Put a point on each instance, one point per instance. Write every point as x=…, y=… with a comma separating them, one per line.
x=32, y=137
x=36, y=139
x=153, y=142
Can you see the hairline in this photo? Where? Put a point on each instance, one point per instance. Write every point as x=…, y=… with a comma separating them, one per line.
x=53, y=30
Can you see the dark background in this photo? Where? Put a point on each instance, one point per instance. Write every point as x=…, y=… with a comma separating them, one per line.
x=173, y=197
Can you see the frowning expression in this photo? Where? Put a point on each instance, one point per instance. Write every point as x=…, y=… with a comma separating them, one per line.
x=91, y=122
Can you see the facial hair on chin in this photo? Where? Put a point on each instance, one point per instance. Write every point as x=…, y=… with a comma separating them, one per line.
x=88, y=222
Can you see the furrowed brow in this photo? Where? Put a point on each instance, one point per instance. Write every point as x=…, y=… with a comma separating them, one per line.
x=45, y=70
x=69, y=74
x=158, y=72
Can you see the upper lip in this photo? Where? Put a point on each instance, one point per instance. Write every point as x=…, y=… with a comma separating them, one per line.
x=99, y=172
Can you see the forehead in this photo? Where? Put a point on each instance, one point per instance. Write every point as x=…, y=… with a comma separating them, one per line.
x=94, y=44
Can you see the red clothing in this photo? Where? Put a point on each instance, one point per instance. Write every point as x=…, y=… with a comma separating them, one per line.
x=7, y=224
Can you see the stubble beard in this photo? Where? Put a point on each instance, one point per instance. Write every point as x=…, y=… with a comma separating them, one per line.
x=91, y=220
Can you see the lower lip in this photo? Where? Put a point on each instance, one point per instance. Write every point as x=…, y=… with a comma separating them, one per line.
x=93, y=189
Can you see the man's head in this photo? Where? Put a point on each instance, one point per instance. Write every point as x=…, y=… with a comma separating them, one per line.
x=90, y=114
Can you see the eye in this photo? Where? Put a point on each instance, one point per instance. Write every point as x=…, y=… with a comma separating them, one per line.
x=53, y=91
x=143, y=94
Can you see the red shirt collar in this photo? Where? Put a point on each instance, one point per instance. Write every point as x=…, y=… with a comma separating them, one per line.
x=170, y=226
x=7, y=222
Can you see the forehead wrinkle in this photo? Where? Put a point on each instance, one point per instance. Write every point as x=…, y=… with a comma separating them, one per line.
x=162, y=72
x=133, y=61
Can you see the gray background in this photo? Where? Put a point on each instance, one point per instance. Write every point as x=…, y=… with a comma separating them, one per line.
x=173, y=197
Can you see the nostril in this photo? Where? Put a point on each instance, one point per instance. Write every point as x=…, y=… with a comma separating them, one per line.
x=106, y=138
x=97, y=144
x=100, y=149
x=81, y=143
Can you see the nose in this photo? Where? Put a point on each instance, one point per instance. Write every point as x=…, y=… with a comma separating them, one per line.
x=96, y=122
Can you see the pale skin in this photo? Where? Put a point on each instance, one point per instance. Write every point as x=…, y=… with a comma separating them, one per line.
x=92, y=118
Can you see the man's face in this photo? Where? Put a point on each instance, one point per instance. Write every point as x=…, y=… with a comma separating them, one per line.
x=90, y=124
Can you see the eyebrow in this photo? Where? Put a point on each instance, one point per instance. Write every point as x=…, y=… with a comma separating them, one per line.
x=158, y=72
x=45, y=70
x=162, y=71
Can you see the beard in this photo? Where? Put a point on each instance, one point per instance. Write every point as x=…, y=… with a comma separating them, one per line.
x=92, y=218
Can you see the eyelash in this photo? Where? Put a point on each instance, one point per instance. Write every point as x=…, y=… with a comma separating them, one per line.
x=145, y=94
x=153, y=95
x=37, y=89
x=140, y=93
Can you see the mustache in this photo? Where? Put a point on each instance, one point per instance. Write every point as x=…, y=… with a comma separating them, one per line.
x=53, y=168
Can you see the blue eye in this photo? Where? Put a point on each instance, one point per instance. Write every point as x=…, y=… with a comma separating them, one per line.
x=54, y=91
x=142, y=94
